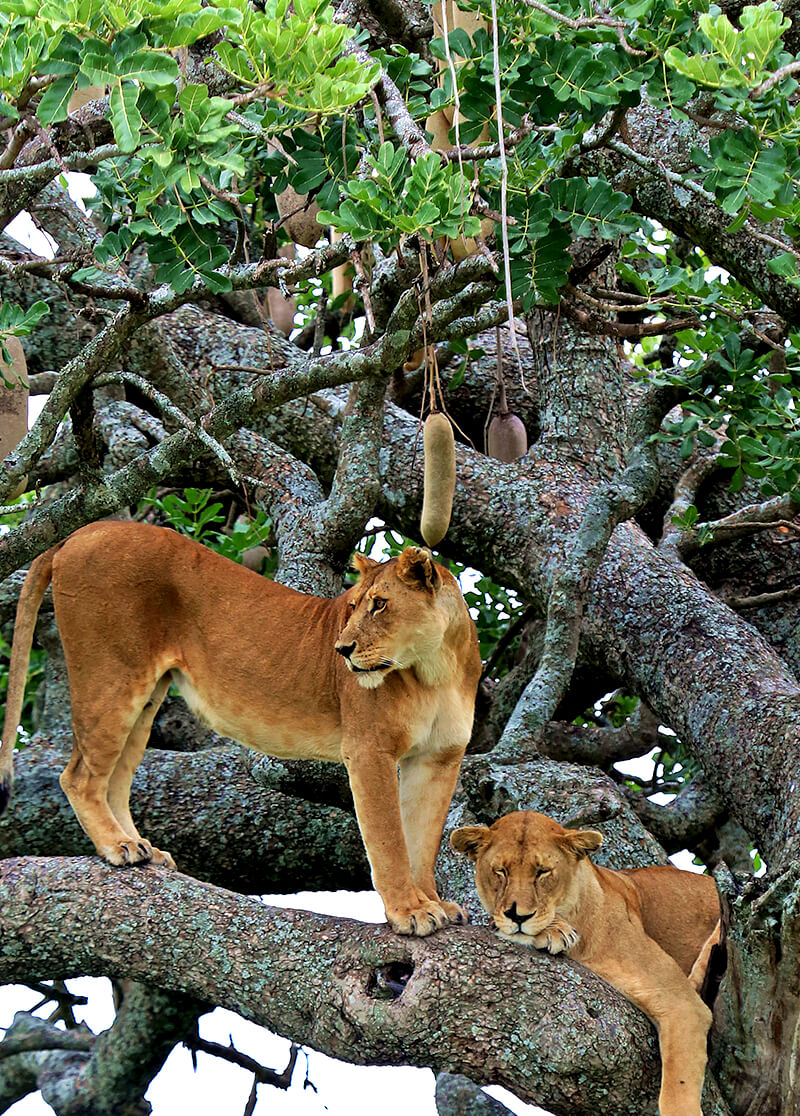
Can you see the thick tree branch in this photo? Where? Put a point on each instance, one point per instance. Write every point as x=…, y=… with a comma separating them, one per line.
x=127, y=1056
x=669, y=194
x=456, y=1095
x=339, y=523
x=314, y=978
x=269, y=842
x=609, y=505
x=602, y=747
x=683, y=821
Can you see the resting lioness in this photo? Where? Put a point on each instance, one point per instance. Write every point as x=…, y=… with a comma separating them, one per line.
x=382, y=677
x=647, y=931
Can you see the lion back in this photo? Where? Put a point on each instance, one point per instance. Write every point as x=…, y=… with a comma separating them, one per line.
x=679, y=909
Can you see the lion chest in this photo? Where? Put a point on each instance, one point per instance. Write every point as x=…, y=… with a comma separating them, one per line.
x=440, y=719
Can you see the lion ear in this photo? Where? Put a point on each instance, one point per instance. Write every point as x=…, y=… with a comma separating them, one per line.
x=362, y=564
x=416, y=567
x=469, y=840
x=580, y=842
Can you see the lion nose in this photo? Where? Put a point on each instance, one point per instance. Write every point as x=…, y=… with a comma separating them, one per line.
x=346, y=649
x=513, y=914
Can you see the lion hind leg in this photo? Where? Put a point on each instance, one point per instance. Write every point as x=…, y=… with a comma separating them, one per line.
x=87, y=790
x=698, y=974
x=654, y=982
x=102, y=724
x=119, y=785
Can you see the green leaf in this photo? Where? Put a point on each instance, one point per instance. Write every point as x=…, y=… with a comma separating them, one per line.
x=592, y=207
x=784, y=264
x=125, y=117
x=151, y=68
x=55, y=99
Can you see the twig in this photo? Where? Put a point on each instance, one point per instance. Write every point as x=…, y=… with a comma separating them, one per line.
x=168, y=407
x=50, y=168
x=405, y=127
x=362, y=285
x=576, y=24
x=262, y=1074
x=738, y=603
x=19, y=138
x=776, y=78
x=630, y=331
x=492, y=150
x=777, y=512
x=57, y=991
x=657, y=168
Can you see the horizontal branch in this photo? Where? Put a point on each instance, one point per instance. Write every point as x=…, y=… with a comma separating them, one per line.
x=318, y=981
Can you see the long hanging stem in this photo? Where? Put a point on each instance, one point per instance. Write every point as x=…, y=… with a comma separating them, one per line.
x=504, y=187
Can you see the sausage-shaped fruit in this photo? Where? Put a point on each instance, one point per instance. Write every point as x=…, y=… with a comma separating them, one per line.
x=440, y=477
x=507, y=439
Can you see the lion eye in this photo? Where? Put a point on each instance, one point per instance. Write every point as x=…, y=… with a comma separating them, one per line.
x=543, y=872
x=378, y=604
x=352, y=604
x=501, y=872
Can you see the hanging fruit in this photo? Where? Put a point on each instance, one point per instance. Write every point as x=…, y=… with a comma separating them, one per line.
x=507, y=439
x=440, y=477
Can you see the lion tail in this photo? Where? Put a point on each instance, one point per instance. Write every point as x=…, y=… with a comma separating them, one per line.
x=30, y=599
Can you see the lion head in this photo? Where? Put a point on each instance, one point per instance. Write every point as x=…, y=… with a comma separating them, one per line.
x=524, y=869
x=398, y=617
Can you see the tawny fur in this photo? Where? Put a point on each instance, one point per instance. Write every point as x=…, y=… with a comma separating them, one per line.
x=644, y=930
x=382, y=677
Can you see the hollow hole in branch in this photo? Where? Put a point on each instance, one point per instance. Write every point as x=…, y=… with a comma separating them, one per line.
x=388, y=982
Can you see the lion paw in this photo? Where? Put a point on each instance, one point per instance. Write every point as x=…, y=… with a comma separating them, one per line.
x=162, y=859
x=558, y=937
x=127, y=853
x=418, y=921
x=455, y=914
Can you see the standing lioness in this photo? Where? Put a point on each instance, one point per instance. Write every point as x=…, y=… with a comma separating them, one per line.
x=382, y=677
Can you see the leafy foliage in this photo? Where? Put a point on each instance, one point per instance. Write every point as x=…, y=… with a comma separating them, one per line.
x=205, y=520
x=179, y=146
x=398, y=198
x=17, y=322
x=279, y=98
x=742, y=57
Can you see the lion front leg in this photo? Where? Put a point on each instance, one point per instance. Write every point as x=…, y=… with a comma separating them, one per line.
x=427, y=783
x=373, y=781
x=558, y=937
